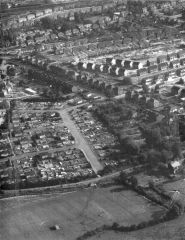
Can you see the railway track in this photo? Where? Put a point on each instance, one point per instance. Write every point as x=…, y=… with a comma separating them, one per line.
x=66, y=5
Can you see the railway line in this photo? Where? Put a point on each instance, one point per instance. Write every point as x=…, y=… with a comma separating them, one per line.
x=66, y=5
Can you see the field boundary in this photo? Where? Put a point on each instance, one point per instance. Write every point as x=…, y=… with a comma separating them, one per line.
x=57, y=188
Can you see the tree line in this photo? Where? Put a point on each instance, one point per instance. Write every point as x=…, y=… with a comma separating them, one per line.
x=8, y=37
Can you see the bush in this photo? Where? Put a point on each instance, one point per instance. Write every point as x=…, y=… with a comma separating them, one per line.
x=134, y=182
x=115, y=226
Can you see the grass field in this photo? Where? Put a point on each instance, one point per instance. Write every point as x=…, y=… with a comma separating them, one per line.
x=172, y=230
x=75, y=212
x=179, y=186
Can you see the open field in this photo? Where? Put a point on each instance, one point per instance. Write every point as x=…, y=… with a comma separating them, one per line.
x=75, y=212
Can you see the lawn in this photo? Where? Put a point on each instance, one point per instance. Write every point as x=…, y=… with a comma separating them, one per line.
x=75, y=213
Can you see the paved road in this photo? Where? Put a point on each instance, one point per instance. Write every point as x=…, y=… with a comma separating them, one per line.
x=81, y=143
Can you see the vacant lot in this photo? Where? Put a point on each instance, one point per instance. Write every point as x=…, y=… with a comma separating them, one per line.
x=75, y=212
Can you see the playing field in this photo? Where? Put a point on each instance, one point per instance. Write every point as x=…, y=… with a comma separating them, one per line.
x=75, y=213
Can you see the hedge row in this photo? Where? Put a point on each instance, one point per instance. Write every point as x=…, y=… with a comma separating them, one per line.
x=162, y=198
x=170, y=215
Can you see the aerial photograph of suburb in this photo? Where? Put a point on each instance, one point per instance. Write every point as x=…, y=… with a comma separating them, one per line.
x=92, y=119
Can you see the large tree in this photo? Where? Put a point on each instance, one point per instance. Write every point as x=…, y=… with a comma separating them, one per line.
x=152, y=136
x=129, y=146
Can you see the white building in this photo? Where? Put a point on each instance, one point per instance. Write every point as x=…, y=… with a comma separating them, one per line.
x=48, y=11
x=39, y=14
x=31, y=16
x=22, y=19
x=30, y=91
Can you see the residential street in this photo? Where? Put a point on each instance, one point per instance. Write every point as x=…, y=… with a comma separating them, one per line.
x=81, y=143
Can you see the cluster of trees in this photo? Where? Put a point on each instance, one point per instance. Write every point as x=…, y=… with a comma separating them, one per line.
x=5, y=125
x=182, y=128
x=152, y=136
x=62, y=24
x=8, y=37
x=2, y=86
x=128, y=145
x=159, y=149
x=155, y=146
x=106, y=170
x=3, y=6
x=56, y=24
x=56, y=87
x=135, y=7
x=11, y=71
x=113, y=113
x=79, y=17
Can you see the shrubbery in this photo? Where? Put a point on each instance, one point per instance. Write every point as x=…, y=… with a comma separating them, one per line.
x=40, y=184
